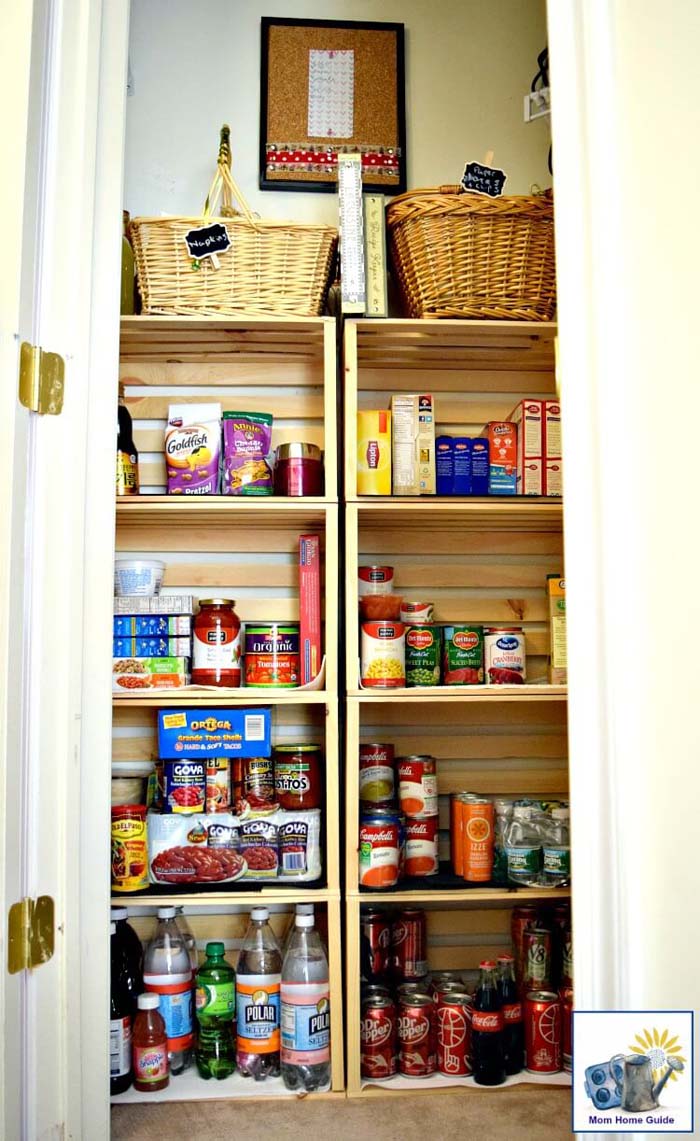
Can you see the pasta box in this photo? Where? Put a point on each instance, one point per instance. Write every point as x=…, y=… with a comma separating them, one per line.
x=213, y=732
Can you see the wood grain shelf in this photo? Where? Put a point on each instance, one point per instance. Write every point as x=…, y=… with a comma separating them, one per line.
x=190, y=1087
x=226, y=510
x=272, y=894
x=166, y=698
x=515, y=513
x=474, y=896
x=453, y=694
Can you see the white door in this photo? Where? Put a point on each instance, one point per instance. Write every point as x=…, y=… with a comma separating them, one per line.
x=63, y=113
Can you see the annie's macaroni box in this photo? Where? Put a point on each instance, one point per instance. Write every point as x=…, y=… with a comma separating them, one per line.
x=413, y=444
x=529, y=418
x=502, y=436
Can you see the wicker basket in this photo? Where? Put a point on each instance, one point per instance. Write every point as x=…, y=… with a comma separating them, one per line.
x=467, y=255
x=271, y=268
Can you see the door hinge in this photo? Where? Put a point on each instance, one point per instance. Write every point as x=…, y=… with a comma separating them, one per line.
x=41, y=377
x=30, y=933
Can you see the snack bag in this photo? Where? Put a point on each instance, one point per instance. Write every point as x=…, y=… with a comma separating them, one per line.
x=247, y=442
x=193, y=449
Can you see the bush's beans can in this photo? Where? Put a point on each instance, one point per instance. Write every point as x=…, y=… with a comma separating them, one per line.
x=377, y=783
x=383, y=655
x=454, y=1033
x=418, y=787
x=375, y=944
x=378, y=1042
x=416, y=1025
x=422, y=847
x=463, y=655
x=566, y=997
x=409, y=950
x=379, y=849
x=477, y=843
x=504, y=655
x=423, y=653
x=521, y=919
x=542, y=1017
x=537, y=958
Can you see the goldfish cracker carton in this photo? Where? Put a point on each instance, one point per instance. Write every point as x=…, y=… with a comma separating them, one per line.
x=413, y=444
x=502, y=436
x=528, y=416
x=374, y=452
x=193, y=449
x=556, y=598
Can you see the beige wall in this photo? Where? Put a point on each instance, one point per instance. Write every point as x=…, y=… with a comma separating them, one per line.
x=196, y=64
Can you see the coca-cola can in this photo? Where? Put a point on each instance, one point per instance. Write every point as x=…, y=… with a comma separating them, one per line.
x=542, y=1017
x=375, y=944
x=566, y=997
x=409, y=952
x=521, y=919
x=454, y=1028
x=416, y=1033
x=537, y=958
x=378, y=1043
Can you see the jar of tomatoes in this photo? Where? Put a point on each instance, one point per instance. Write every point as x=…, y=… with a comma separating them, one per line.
x=298, y=776
x=216, y=644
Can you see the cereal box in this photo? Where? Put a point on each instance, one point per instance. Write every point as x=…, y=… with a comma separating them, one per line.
x=503, y=457
x=556, y=598
x=374, y=452
x=480, y=466
x=528, y=416
x=413, y=444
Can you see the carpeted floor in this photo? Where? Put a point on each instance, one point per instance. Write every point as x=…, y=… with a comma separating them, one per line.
x=526, y=1113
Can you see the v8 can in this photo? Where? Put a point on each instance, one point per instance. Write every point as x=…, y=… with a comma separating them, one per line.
x=378, y=1043
x=454, y=1010
x=416, y=1025
x=542, y=1017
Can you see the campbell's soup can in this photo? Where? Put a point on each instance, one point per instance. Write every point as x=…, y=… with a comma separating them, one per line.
x=542, y=1018
x=375, y=580
x=409, y=945
x=418, y=786
x=504, y=655
x=380, y=842
x=421, y=856
x=454, y=1011
x=416, y=1025
x=375, y=944
x=477, y=842
x=378, y=1040
x=377, y=783
x=383, y=655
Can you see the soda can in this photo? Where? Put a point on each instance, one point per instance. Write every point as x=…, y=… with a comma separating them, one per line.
x=542, y=1017
x=378, y=1043
x=521, y=919
x=420, y=986
x=416, y=1033
x=375, y=944
x=567, y=960
x=454, y=1033
x=374, y=990
x=566, y=997
x=477, y=833
x=409, y=950
x=445, y=980
x=537, y=958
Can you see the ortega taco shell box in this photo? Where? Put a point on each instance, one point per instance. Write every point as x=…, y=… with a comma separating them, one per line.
x=193, y=449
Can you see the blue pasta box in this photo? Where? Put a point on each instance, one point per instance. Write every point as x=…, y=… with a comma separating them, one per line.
x=480, y=466
x=154, y=647
x=462, y=476
x=214, y=732
x=152, y=625
x=444, y=465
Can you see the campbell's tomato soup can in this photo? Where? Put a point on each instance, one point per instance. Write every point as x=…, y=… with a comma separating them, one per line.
x=383, y=655
x=375, y=580
x=377, y=783
x=418, y=786
x=409, y=945
x=566, y=998
x=380, y=841
x=477, y=839
x=453, y=1016
x=185, y=786
x=375, y=944
x=416, y=1033
x=542, y=1018
x=504, y=655
x=421, y=856
x=378, y=1040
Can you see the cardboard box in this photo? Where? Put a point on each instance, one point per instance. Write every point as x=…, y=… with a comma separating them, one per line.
x=151, y=626
x=413, y=444
x=152, y=647
x=552, y=449
x=170, y=604
x=374, y=452
x=502, y=436
x=528, y=415
x=309, y=606
x=213, y=732
x=554, y=478
x=556, y=597
x=480, y=466
x=444, y=465
x=132, y=675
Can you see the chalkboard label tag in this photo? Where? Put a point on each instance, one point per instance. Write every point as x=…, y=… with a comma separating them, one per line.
x=483, y=179
x=207, y=242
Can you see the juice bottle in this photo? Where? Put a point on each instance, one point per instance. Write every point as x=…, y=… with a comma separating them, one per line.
x=150, y=1046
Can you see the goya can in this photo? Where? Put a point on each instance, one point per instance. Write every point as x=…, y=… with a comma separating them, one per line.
x=383, y=655
x=463, y=655
x=272, y=655
x=377, y=781
x=185, y=786
x=421, y=857
x=380, y=842
x=537, y=958
x=375, y=944
x=542, y=1017
x=477, y=832
x=504, y=655
x=378, y=1041
x=409, y=945
x=129, y=847
x=418, y=786
x=423, y=652
x=454, y=1010
x=416, y=1033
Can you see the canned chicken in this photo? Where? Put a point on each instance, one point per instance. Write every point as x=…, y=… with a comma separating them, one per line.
x=375, y=580
x=418, y=787
x=504, y=655
x=416, y=613
x=383, y=655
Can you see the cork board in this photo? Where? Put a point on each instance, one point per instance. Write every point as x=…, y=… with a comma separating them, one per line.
x=329, y=87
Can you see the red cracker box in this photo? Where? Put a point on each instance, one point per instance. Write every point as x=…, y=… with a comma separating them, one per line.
x=552, y=448
x=309, y=606
x=529, y=416
x=553, y=478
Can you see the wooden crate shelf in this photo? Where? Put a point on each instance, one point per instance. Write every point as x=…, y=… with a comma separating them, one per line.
x=457, y=694
x=220, y=511
x=168, y=698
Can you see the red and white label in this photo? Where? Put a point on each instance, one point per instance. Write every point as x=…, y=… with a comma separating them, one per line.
x=487, y=1021
x=413, y=1029
x=512, y=1012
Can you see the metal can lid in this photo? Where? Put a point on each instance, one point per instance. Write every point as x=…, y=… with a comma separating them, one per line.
x=297, y=450
x=378, y=1001
x=448, y=997
x=542, y=996
x=416, y=998
x=296, y=749
x=505, y=958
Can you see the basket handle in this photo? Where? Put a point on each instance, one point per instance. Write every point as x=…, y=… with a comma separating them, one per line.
x=224, y=185
x=450, y=190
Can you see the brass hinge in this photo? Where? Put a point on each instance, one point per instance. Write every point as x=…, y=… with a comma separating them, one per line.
x=41, y=377
x=30, y=933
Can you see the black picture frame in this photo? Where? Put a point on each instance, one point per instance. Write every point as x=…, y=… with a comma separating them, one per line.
x=331, y=186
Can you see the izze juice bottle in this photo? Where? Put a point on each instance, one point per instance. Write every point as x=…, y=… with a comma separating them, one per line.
x=258, y=980
x=487, y=1029
x=511, y=1006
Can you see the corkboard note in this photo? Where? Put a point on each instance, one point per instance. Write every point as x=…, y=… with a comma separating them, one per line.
x=329, y=87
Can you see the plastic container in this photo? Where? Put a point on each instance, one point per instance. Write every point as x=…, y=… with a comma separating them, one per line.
x=143, y=577
x=216, y=1015
x=150, y=1046
x=258, y=979
x=130, y=781
x=305, y=1011
x=167, y=971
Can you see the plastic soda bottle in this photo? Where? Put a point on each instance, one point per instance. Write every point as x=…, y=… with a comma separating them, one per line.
x=258, y=978
x=130, y=945
x=216, y=1015
x=167, y=972
x=305, y=1010
x=300, y=909
x=487, y=1029
x=122, y=1009
x=513, y=1028
x=151, y=1071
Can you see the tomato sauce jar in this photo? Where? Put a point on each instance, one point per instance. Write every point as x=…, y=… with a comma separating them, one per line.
x=298, y=776
x=216, y=644
x=129, y=848
x=272, y=655
x=298, y=469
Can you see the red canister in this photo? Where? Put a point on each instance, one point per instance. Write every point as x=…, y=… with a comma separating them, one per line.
x=542, y=1017
x=409, y=950
x=454, y=1010
x=298, y=469
x=416, y=1026
x=521, y=919
x=378, y=1042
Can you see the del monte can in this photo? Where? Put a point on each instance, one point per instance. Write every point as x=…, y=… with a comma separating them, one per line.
x=423, y=646
x=463, y=655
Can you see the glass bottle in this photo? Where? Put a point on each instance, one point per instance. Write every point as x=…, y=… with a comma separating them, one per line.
x=127, y=457
x=122, y=1010
x=513, y=1029
x=487, y=1029
x=216, y=644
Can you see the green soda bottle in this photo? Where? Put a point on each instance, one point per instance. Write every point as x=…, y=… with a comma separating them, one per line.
x=216, y=1015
